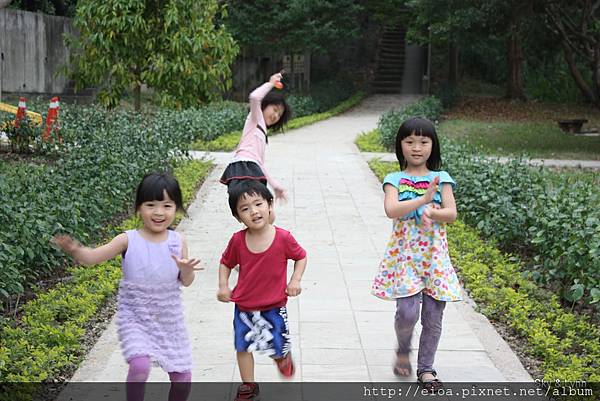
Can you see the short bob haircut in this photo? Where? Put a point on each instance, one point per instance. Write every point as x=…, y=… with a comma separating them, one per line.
x=419, y=127
x=154, y=185
x=247, y=188
x=276, y=98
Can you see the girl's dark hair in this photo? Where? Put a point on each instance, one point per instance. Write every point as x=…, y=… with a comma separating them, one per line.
x=244, y=188
x=153, y=186
x=420, y=127
x=277, y=98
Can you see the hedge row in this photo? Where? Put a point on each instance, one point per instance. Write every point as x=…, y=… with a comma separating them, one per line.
x=568, y=345
x=89, y=178
x=550, y=218
x=48, y=339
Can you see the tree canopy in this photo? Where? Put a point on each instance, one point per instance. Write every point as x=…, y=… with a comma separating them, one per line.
x=277, y=26
x=179, y=48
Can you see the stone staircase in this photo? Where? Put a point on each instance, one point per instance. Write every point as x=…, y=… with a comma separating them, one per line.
x=390, y=61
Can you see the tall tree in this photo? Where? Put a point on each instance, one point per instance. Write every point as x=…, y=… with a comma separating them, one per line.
x=464, y=22
x=272, y=27
x=180, y=48
x=65, y=8
x=296, y=25
x=577, y=25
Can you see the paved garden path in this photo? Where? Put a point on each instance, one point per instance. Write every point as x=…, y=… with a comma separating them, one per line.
x=339, y=331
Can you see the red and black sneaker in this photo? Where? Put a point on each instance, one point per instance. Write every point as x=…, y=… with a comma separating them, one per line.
x=248, y=391
x=286, y=365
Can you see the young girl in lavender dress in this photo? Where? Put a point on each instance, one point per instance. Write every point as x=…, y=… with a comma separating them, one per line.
x=155, y=265
x=416, y=267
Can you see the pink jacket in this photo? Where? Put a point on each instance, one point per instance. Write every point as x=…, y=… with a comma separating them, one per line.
x=253, y=142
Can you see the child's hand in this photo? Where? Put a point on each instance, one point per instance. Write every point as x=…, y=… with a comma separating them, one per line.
x=224, y=294
x=281, y=194
x=187, y=265
x=426, y=219
x=431, y=190
x=276, y=77
x=66, y=243
x=293, y=288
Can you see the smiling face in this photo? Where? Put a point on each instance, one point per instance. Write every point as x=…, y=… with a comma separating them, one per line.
x=272, y=113
x=157, y=215
x=253, y=210
x=416, y=150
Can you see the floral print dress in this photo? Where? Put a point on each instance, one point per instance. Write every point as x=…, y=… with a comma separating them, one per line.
x=416, y=259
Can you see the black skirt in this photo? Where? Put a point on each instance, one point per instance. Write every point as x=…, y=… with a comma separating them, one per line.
x=242, y=170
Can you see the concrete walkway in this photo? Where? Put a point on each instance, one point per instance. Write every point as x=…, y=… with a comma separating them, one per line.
x=339, y=331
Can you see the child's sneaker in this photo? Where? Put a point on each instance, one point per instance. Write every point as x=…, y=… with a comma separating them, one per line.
x=286, y=365
x=248, y=391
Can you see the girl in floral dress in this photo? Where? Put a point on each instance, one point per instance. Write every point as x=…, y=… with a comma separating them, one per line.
x=416, y=267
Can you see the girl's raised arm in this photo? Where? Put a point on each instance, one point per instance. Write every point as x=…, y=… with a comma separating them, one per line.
x=91, y=256
x=257, y=96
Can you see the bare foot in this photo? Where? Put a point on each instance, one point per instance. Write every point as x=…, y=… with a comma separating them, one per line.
x=402, y=366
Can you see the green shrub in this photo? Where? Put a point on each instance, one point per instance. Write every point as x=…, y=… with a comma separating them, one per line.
x=389, y=122
x=567, y=345
x=98, y=164
x=302, y=105
x=448, y=94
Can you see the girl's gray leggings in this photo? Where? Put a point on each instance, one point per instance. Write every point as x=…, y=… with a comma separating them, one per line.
x=407, y=314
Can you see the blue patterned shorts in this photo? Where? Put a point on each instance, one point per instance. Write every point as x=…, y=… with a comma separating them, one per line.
x=262, y=331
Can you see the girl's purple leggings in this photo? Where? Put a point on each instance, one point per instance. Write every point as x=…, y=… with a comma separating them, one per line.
x=139, y=370
x=407, y=315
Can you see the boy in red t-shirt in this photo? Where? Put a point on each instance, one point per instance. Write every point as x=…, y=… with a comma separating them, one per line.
x=261, y=251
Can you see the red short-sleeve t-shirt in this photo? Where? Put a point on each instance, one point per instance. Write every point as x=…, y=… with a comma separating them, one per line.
x=262, y=276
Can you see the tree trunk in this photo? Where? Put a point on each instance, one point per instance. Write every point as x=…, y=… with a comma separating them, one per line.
x=137, y=97
x=60, y=7
x=514, y=82
x=453, y=65
x=596, y=75
x=585, y=89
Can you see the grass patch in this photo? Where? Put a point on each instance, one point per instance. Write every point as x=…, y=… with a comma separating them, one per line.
x=370, y=142
x=536, y=139
x=228, y=142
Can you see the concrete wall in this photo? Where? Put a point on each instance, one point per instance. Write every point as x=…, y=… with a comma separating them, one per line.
x=32, y=51
x=414, y=68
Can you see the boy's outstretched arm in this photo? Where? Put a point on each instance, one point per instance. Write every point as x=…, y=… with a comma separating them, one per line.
x=293, y=288
x=91, y=256
x=224, y=292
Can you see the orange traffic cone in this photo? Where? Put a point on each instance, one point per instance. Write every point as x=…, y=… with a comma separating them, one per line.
x=21, y=111
x=51, y=118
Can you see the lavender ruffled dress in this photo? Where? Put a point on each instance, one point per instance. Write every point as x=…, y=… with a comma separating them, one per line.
x=150, y=315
